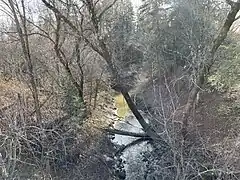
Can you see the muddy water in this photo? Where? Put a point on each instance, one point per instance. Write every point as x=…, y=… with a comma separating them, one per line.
x=121, y=105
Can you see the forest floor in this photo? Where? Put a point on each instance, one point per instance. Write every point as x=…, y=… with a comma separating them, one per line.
x=218, y=114
x=217, y=119
x=94, y=143
x=9, y=91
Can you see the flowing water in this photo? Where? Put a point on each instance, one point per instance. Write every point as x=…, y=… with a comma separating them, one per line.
x=129, y=123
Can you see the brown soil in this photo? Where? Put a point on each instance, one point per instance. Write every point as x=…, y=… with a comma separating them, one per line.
x=217, y=115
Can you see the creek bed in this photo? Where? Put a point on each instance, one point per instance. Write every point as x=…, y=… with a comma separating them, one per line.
x=131, y=155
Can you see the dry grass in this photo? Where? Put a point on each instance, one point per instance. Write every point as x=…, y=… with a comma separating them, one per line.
x=9, y=90
x=54, y=148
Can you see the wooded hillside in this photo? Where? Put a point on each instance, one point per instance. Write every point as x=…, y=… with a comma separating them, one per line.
x=75, y=75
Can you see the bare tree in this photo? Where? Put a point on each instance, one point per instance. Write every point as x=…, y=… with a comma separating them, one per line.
x=208, y=63
x=102, y=49
x=21, y=25
x=106, y=53
x=62, y=58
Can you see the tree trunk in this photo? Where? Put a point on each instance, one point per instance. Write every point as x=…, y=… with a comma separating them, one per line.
x=22, y=32
x=105, y=53
x=60, y=55
x=206, y=66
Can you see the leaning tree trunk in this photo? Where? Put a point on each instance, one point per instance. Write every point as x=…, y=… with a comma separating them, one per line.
x=120, y=87
x=206, y=65
x=105, y=53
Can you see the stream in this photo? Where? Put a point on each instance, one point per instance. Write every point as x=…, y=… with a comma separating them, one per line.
x=131, y=156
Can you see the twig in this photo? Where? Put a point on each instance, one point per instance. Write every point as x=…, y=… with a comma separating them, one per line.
x=132, y=144
x=126, y=133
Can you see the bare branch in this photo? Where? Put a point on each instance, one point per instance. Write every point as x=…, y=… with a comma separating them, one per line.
x=231, y=3
x=138, y=141
x=106, y=9
x=65, y=19
x=126, y=133
x=206, y=65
